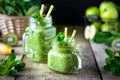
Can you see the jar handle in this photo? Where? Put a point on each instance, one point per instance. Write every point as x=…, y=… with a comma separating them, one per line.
x=80, y=59
x=25, y=35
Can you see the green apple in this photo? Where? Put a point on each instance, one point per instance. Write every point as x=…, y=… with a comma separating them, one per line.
x=97, y=24
x=104, y=27
x=112, y=26
x=90, y=32
x=93, y=10
x=108, y=11
x=115, y=26
x=105, y=4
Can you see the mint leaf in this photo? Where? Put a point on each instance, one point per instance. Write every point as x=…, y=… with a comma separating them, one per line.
x=110, y=53
x=2, y=70
x=112, y=62
x=107, y=67
x=12, y=72
x=115, y=68
x=8, y=66
x=60, y=37
x=10, y=58
x=3, y=61
x=108, y=60
x=37, y=16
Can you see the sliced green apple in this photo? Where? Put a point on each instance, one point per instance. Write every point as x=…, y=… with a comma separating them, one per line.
x=90, y=32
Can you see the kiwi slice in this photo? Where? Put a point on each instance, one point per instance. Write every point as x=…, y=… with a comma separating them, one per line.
x=116, y=44
x=10, y=39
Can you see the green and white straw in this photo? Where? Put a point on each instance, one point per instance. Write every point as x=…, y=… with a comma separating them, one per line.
x=41, y=10
x=66, y=33
x=50, y=10
x=73, y=35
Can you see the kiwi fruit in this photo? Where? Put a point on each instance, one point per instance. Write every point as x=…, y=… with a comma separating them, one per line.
x=10, y=39
x=116, y=44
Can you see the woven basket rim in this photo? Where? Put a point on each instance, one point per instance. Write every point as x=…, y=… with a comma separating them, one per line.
x=6, y=17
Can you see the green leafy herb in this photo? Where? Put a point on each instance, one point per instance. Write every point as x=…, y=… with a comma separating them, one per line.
x=60, y=37
x=37, y=16
x=110, y=53
x=106, y=37
x=109, y=41
x=112, y=62
x=102, y=37
x=10, y=66
x=19, y=65
x=18, y=7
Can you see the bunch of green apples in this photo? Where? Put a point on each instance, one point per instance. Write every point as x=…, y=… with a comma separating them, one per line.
x=108, y=14
x=107, y=11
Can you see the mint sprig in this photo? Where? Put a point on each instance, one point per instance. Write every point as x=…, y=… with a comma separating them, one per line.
x=60, y=37
x=10, y=66
x=112, y=62
x=37, y=16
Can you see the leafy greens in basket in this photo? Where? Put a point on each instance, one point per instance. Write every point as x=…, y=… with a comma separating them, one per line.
x=19, y=7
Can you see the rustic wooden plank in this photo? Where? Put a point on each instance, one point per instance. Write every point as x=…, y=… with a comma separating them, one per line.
x=40, y=71
x=100, y=55
x=19, y=55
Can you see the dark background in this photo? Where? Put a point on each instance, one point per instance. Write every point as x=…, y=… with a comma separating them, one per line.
x=71, y=11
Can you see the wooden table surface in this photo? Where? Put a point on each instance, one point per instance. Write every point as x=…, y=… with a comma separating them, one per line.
x=94, y=60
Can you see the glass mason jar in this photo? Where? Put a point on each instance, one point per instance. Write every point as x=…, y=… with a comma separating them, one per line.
x=38, y=38
x=64, y=58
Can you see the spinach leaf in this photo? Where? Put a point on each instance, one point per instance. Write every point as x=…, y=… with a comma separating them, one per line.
x=106, y=37
x=109, y=41
x=102, y=37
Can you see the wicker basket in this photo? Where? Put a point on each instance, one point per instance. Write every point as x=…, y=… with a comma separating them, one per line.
x=13, y=24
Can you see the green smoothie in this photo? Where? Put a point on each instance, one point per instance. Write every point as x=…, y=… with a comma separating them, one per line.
x=62, y=60
x=63, y=56
x=38, y=38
